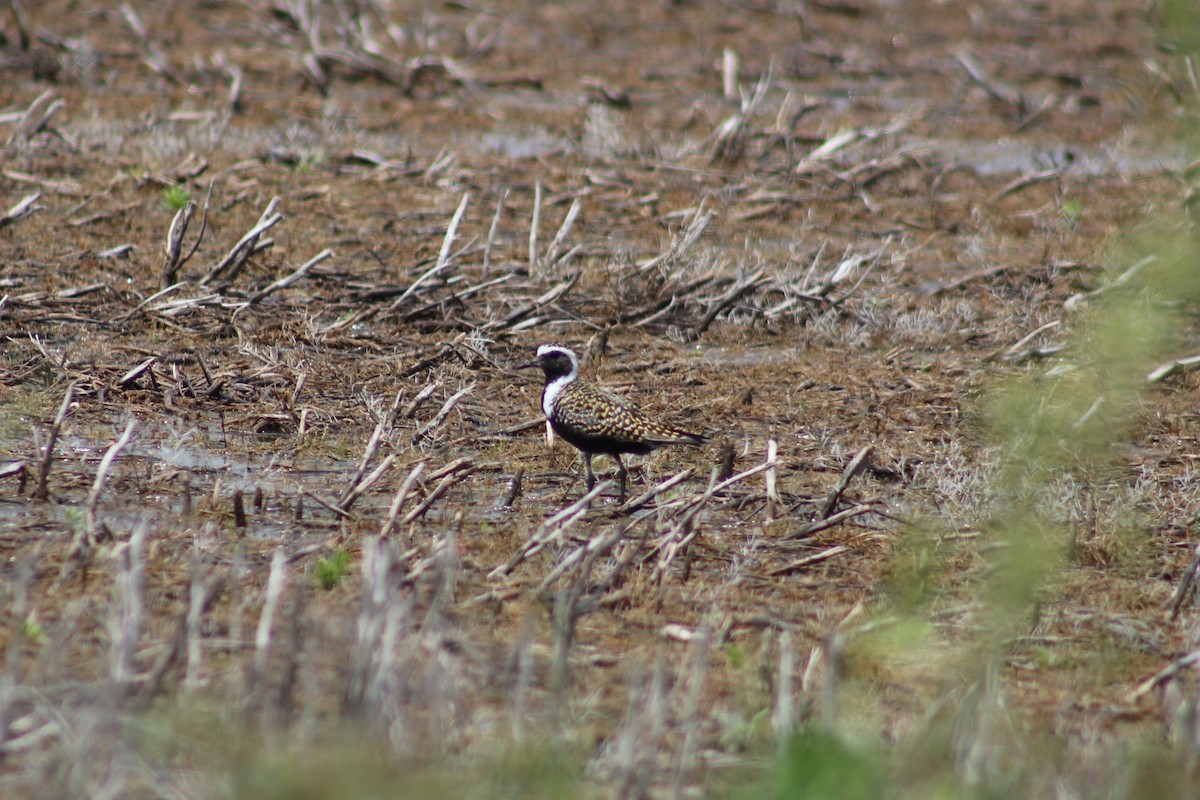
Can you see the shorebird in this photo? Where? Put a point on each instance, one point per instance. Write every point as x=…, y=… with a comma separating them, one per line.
x=594, y=421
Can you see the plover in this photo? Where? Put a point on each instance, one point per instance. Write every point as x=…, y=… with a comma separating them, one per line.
x=594, y=421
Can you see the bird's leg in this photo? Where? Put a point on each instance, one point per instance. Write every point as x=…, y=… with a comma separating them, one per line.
x=621, y=473
x=591, y=476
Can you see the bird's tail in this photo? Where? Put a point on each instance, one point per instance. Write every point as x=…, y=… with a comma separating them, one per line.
x=675, y=436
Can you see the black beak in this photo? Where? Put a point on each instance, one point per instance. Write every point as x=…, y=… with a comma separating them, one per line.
x=530, y=365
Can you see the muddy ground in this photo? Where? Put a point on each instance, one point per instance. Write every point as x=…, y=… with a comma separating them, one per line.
x=801, y=228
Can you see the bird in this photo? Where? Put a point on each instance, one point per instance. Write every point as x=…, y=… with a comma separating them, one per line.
x=594, y=421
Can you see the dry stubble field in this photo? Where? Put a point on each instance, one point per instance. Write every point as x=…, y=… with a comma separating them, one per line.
x=295, y=530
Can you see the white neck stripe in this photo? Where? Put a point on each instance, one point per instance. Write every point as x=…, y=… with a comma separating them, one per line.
x=553, y=390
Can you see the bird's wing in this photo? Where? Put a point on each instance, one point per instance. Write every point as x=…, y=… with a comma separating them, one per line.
x=595, y=412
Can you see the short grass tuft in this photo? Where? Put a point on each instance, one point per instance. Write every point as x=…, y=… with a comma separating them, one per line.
x=331, y=569
x=176, y=197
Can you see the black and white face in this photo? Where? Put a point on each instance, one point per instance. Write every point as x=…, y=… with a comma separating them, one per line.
x=557, y=361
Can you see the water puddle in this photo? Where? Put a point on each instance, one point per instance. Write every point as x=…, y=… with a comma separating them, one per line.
x=532, y=143
x=1015, y=157
x=744, y=357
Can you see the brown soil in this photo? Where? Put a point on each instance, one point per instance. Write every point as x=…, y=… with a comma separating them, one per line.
x=964, y=210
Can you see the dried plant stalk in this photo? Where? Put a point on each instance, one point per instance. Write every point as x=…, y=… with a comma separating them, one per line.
x=42, y=490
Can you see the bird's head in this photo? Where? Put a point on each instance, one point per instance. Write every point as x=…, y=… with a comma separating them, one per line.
x=555, y=361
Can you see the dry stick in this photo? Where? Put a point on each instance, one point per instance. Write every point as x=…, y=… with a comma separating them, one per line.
x=1167, y=673
x=174, y=244
x=106, y=464
x=810, y=669
x=655, y=491
x=452, y=230
x=1025, y=181
x=729, y=298
x=19, y=22
x=637, y=744
x=36, y=119
x=443, y=260
x=154, y=56
x=866, y=273
x=444, y=411
x=989, y=272
x=671, y=543
x=367, y=482
x=42, y=491
x=622, y=561
x=438, y=491
x=448, y=349
x=1162, y=372
x=59, y=363
x=1185, y=585
x=831, y=521
x=457, y=296
x=567, y=612
x=597, y=546
x=80, y=291
x=137, y=372
x=783, y=717
x=1014, y=352
x=567, y=609
x=741, y=476
x=725, y=459
x=375, y=565
x=772, y=491
x=283, y=283
x=855, y=466
x=522, y=660
x=203, y=224
x=844, y=269
x=18, y=582
x=239, y=509
x=187, y=637
x=648, y=313
x=24, y=207
x=801, y=563
x=807, y=284
x=491, y=239
x=514, y=489
x=533, y=227
x=381, y=688
x=15, y=468
x=399, y=499
x=697, y=674
x=125, y=626
x=200, y=601
x=681, y=244
x=325, y=504
x=730, y=62
x=368, y=456
x=552, y=528
x=420, y=399
x=1121, y=280
x=1193, y=78
x=172, y=308
x=520, y=314
x=1000, y=92
x=680, y=536
x=156, y=296
x=283, y=700
x=729, y=139
x=262, y=637
x=233, y=103
x=560, y=238
x=232, y=263
x=832, y=648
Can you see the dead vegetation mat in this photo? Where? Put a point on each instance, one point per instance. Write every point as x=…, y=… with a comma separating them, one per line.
x=267, y=269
